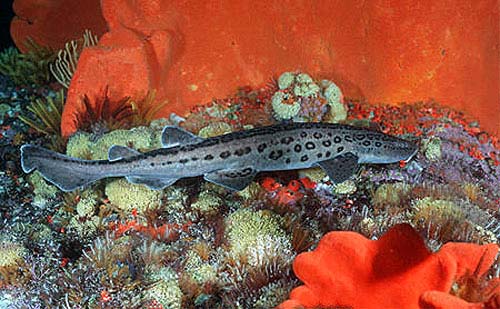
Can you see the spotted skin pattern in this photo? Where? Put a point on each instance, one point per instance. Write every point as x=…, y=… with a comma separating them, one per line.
x=227, y=157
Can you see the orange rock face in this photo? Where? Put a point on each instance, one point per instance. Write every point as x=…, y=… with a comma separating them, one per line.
x=381, y=51
x=55, y=22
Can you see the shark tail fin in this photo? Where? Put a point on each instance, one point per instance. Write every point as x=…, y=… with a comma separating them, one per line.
x=58, y=169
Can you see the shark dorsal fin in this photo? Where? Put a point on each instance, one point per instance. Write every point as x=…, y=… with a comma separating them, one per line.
x=175, y=136
x=117, y=152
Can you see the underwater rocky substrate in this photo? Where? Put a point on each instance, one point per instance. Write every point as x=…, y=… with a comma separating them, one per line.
x=195, y=244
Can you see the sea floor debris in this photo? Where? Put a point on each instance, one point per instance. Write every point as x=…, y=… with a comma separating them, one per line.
x=197, y=245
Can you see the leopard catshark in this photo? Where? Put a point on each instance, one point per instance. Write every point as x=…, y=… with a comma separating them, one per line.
x=231, y=160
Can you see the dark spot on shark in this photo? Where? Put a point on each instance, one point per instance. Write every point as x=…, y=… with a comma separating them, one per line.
x=340, y=149
x=261, y=147
x=226, y=137
x=225, y=154
x=337, y=139
x=163, y=163
x=367, y=143
x=297, y=148
x=287, y=140
x=328, y=154
x=348, y=138
x=329, y=134
x=183, y=161
x=247, y=150
x=303, y=134
x=310, y=145
x=327, y=143
x=287, y=161
x=378, y=144
x=239, y=152
x=169, y=162
x=319, y=155
x=194, y=159
x=275, y=154
x=152, y=164
x=304, y=158
x=360, y=137
x=208, y=157
x=317, y=135
x=245, y=172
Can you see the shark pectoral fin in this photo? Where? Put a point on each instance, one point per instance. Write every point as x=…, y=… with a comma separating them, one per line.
x=117, y=152
x=340, y=168
x=152, y=183
x=234, y=179
x=174, y=136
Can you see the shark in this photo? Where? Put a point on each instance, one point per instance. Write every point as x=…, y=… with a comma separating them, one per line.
x=231, y=160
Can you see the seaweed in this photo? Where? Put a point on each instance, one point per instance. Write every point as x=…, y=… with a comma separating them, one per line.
x=47, y=118
x=31, y=68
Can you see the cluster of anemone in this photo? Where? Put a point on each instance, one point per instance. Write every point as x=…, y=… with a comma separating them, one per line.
x=302, y=99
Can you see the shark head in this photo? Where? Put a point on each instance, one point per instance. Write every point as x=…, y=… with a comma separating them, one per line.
x=386, y=149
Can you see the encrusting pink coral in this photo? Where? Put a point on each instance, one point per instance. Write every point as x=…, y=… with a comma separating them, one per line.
x=396, y=271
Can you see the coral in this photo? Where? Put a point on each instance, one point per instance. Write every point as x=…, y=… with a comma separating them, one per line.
x=285, y=80
x=175, y=201
x=445, y=220
x=43, y=191
x=127, y=196
x=315, y=174
x=272, y=295
x=47, y=118
x=145, y=109
x=394, y=271
x=254, y=231
x=283, y=106
x=305, y=86
x=432, y=148
x=65, y=65
x=85, y=223
x=215, y=129
x=86, y=206
x=346, y=187
x=207, y=203
x=391, y=195
x=334, y=97
x=11, y=254
x=198, y=269
x=29, y=68
x=84, y=226
x=140, y=138
x=305, y=100
x=95, y=147
x=80, y=146
x=166, y=290
x=100, y=114
x=439, y=217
